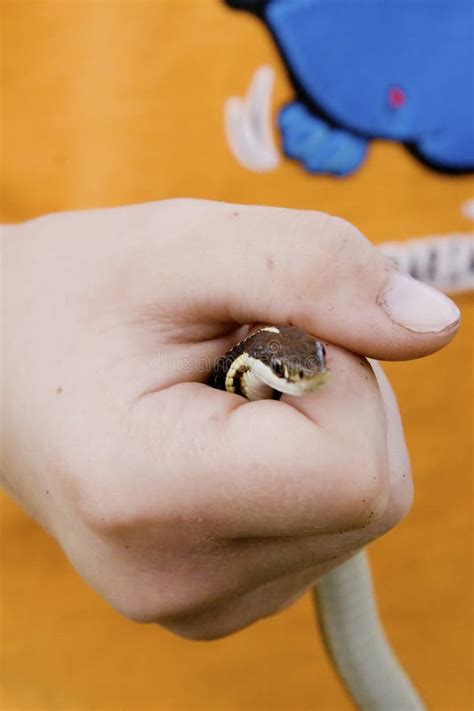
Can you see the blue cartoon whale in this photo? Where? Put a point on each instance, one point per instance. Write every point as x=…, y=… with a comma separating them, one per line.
x=401, y=70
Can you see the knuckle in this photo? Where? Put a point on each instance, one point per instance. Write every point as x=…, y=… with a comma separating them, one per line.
x=200, y=632
x=376, y=494
x=340, y=249
x=135, y=612
x=404, y=502
x=146, y=606
x=344, y=229
x=385, y=505
x=367, y=499
x=371, y=506
x=179, y=202
x=104, y=509
x=399, y=504
x=180, y=608
x=202, y=624
x=110, y=502
x=341, y=238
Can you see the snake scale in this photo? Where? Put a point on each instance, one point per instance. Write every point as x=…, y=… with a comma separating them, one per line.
x=275, y=360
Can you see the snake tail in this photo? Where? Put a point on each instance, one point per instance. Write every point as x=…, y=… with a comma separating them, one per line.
x=356, y=642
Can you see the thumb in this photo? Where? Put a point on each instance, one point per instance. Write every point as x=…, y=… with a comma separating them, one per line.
x=314, y=271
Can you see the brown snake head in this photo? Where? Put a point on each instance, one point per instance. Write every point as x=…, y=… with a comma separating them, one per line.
x=273, y=360
x=294, y=357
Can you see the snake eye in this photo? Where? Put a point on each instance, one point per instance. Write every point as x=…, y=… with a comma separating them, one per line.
x=278, y=367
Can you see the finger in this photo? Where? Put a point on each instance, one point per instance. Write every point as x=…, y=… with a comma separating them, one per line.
x=345, y=386
x=242, y=609
x=265, y=468
x=399, y=468
x=272, y=265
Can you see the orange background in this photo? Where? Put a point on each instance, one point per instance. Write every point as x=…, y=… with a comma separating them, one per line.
x=113, y=102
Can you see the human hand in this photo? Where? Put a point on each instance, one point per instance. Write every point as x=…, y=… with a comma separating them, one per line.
x=179, y=503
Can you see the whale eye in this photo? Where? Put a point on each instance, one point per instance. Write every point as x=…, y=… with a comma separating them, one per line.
x=396, y=97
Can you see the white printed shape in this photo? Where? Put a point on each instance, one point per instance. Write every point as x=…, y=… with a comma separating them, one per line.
x=467, y=209
x=248, y=124
x=443, y=261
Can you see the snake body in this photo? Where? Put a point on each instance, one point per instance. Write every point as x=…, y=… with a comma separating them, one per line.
x=276, y=360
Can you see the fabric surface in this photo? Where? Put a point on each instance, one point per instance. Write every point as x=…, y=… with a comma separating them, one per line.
x=116, y=102
x=387, y=69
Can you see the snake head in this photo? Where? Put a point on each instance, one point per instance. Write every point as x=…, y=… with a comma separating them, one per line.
x=291, y=361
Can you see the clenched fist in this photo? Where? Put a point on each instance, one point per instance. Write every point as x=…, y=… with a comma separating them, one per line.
x=179, y=503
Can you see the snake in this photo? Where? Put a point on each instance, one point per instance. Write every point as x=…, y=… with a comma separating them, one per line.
x=275, y=360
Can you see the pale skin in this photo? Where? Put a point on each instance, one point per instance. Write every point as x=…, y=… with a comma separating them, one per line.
x=181, y=504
